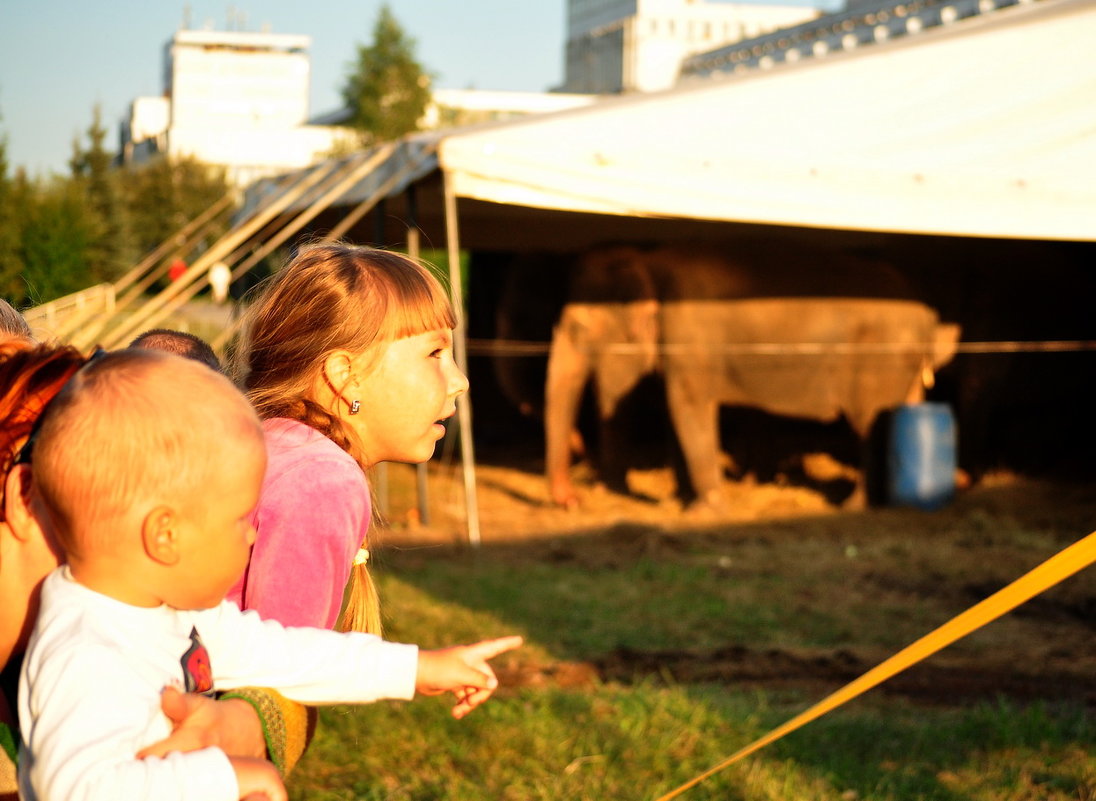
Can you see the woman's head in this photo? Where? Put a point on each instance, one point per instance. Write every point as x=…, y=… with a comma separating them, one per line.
x=12, y=322
x=30, y=376
x=326, y=320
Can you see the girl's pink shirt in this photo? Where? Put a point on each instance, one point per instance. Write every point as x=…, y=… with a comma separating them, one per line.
x=313, y=515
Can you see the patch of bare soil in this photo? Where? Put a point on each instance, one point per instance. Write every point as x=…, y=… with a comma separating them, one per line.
x=936, y=683
x=1054, y=658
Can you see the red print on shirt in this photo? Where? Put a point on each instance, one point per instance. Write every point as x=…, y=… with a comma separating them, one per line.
x=197, y=673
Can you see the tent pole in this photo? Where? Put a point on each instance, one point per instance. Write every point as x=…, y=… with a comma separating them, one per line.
x=464, y=407
x=413, y=250
x=380, y=470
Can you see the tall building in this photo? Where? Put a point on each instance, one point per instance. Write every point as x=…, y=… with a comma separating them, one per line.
x=241, y=100
x=232, y=98
x=639, y=45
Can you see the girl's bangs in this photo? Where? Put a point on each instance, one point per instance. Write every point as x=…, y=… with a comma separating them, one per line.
x=423, y=307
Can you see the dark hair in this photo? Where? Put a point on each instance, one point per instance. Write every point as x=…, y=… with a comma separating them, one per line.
x=181, y=343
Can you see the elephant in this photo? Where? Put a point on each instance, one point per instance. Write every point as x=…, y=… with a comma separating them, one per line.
x=802, y=333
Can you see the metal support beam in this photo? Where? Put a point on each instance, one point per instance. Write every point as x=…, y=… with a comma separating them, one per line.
x=336, y=233
x=338, y=184
x=225, y=245
x=422, y=493
x=464, y=405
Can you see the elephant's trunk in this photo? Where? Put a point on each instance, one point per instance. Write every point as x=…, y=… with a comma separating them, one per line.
x=568, y=370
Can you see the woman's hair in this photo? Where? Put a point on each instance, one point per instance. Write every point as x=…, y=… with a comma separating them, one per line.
x=12, y=322
x=30, y=376
x=333, y=297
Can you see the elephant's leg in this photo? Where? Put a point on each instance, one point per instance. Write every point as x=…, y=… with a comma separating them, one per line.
x=695, y=421
x=568, y=370
x=613, y=446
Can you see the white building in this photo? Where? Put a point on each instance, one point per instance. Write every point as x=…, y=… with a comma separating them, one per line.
x=232, y=98
x=240, y=100
x=639, y=45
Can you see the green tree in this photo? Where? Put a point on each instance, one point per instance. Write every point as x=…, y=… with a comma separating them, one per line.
x=386, y=89
x=11, y=265
x=59, y=232
x=165, y=194
x=109, y=250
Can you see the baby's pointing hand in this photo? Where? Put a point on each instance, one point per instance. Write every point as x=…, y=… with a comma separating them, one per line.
x=462, y=670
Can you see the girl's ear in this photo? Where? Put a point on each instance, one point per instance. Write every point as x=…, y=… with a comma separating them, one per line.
x=338, y=369
x=160, y=535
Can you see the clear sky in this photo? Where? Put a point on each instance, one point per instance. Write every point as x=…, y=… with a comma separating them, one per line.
x=59, y=58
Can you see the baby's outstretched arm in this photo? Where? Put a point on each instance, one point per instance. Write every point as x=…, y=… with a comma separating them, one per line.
x=462, y=670
x=258, y=779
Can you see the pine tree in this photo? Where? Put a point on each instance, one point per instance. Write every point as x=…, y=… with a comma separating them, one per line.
x=109, y=250
x=59, y=233
x=164, y=195
x=11, y=265
x=387, y=90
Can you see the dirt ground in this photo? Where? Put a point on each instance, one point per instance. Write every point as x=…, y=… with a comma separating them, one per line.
x=1053, y=658
x=513, y=504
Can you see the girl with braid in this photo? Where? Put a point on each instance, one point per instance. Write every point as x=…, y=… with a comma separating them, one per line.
x=347, y=357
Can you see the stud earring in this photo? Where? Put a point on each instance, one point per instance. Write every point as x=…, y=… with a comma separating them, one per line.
x=355, y=407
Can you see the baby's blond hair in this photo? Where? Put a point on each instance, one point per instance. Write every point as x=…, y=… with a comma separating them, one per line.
x=130, y=430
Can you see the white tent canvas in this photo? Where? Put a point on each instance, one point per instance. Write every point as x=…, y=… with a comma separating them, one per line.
x=984, y=128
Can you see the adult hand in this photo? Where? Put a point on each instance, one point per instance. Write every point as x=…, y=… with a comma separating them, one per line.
x=462, y=670
x=200, y=722
x=258, y=780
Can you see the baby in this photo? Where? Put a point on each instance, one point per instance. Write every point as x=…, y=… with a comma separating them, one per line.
x=148, y=465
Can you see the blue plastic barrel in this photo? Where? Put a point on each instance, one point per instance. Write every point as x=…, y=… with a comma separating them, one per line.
x=922, y=455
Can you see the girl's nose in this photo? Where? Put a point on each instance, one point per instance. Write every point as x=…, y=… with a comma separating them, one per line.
x=458, y=381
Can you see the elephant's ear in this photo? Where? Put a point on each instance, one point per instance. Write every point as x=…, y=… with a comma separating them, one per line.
x=584, y=318
x=643, y=330
x=582, y=326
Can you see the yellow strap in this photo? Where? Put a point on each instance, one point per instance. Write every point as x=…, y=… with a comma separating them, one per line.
x=1058, y=567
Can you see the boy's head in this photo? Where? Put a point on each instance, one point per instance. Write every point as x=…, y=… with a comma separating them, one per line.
x=149, y=464
x=180, y=343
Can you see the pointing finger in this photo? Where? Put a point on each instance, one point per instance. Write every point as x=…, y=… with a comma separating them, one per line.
x=489, y=649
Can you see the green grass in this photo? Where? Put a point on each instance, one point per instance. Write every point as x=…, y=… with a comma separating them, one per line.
x=638, y=742
x=817, y=585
